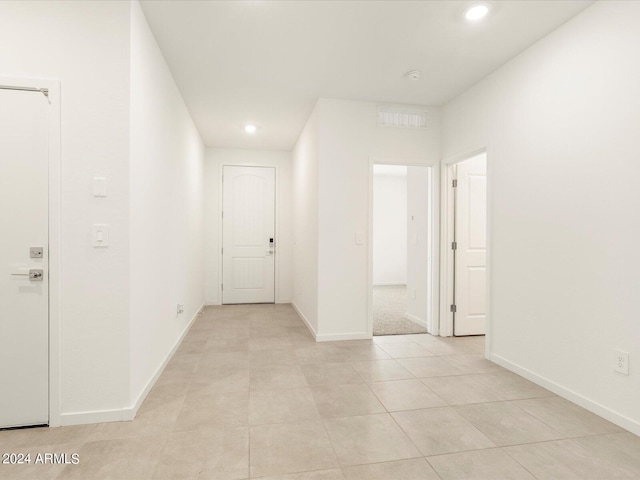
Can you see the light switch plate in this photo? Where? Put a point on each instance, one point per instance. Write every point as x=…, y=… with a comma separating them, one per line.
x=99, y=187
x=100, y=235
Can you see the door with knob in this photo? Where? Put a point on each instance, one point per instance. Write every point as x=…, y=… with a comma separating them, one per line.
x=24, y=282
x=471, y=246
x=248, y=235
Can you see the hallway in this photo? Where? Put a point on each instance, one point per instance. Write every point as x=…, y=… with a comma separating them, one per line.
x=249, y=394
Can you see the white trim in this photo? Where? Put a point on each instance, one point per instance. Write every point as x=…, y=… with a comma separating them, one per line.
x=487, y=329
x=446, y=254
x=392, y=284
x=594, y=407
x=283, y=301
x=98, y=416
x=416, y=320
x=336, y=337
x=128, y=413
x=212, y=304
x=276, y=280
x=54, y=233
x=143, y=394
x=304, y=319
x=433, y=323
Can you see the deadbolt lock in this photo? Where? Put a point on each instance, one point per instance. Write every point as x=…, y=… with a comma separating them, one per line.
x=36, y=252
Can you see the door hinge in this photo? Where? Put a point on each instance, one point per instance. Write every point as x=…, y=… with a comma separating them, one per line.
x=222, y=213
x=222, y=250
x=453, y=308
x=222, y=286
x=454, y=183
x=454, y=245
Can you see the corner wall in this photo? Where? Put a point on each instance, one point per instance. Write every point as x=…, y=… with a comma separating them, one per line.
x=389, y=229
x=419, y=243
x=305, y=158
x=561, y=125
x=166, y=211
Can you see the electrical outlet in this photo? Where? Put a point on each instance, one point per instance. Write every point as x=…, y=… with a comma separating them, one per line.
x=180, y=309
x=621, y=362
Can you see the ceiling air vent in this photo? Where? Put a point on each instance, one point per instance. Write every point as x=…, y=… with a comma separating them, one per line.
x=401, y=117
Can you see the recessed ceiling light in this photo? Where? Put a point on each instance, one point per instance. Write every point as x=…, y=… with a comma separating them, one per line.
x=250, y=129
x=477, y=12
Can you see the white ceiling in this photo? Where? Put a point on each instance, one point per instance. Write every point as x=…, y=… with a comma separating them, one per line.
x=266, y=62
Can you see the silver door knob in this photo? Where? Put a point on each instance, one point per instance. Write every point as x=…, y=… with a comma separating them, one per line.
x=35, y=274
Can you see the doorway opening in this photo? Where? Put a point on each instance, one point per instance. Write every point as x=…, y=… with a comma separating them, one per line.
x=401, y=244
x=466, y=261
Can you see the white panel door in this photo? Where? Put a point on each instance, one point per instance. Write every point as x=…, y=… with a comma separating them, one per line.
x=471, y=252
x=24, y=301
x=248, y=235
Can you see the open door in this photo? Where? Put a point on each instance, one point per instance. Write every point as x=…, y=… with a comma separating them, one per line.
x=470, y=246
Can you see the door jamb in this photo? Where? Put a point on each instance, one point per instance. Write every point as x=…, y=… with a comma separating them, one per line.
x=433, y=308
x=276, y=289
x=446, y=254
x=54, y=233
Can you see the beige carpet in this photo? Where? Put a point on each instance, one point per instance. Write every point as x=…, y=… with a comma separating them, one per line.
x=389, y=307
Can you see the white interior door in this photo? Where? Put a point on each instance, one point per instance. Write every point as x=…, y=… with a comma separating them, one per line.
x=24, y=285
x=248, y=235
x=471, y=251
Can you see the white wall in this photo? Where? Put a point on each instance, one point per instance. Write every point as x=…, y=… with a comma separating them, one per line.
x=389, y=228
x=215, y=157
x=166, y=216
x=348, y=139
x=561, y=123
x=85, y=45
x=419, y=232
x=305, y=157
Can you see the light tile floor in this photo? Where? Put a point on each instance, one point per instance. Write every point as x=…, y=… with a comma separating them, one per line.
x=249, y=394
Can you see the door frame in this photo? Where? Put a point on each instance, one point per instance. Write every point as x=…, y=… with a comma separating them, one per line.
x=54, y=232
x=434, y=303
x=276, y=259
x=447, y=231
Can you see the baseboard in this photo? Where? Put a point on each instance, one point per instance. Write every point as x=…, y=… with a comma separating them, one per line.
x=393, y=284
x=129, y=413
x=99, y=416
x=156, y=376
x=286, y=300
x=336, y=337
x=332, y=337
x=304, y=319
x=211, y=304
x=594, y=407
x=415, y=319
